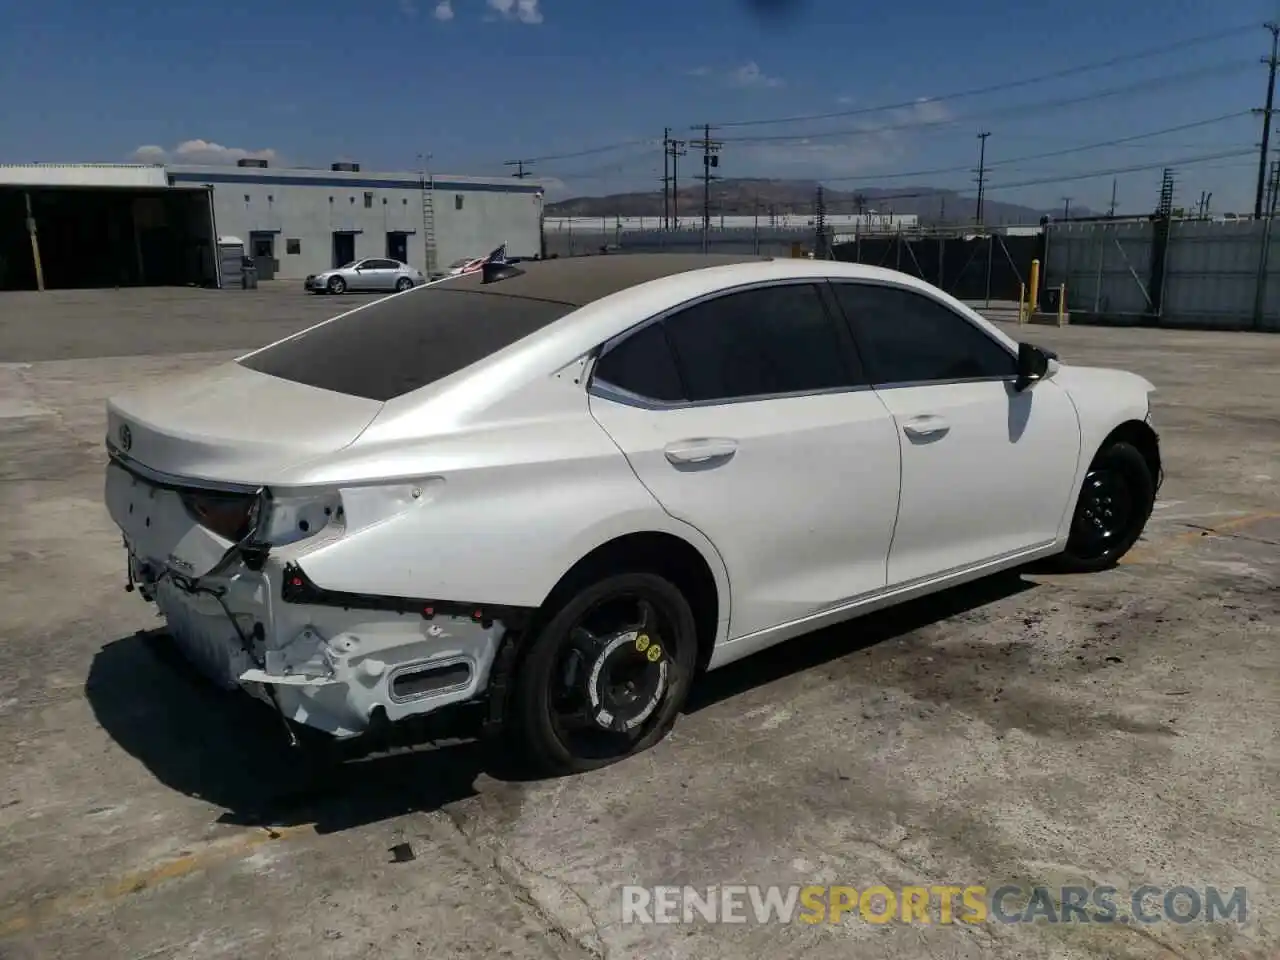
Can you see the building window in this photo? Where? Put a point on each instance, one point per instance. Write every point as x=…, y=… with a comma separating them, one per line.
x=405, y=201
x=293, y=247
x=270, y=198
x=331, y=199
x=384, y=201
x=457, y=201
x=353, y=199
x=368, y=201
x=246, y=198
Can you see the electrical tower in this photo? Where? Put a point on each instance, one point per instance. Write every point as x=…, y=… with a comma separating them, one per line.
x=1111, y=212
x=710, y=158
x=1164, y=209
x=982, y=171
x=1066, y=208
x=673, y=150
x=819, y=225
x=1271, y=62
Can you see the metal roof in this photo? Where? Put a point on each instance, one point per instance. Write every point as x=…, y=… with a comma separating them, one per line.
x=82, y=175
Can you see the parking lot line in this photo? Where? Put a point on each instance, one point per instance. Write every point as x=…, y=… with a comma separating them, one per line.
x=136, y=881
x=1156, y=550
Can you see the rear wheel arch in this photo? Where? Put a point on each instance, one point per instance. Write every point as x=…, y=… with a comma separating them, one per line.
x=666, y=554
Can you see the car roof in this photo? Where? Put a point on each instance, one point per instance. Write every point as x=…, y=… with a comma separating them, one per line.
x=577, y=281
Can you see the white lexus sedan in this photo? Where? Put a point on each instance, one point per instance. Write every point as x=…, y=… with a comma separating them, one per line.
x=542, y=498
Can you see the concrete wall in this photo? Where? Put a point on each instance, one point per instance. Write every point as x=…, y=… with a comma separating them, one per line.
x=310, y=206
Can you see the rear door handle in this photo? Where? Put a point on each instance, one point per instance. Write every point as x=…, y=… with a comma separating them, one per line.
x=926, y=428
x=700, y=450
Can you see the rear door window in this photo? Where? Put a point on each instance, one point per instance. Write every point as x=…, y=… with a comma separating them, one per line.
x=766, y=341
x=397, y=345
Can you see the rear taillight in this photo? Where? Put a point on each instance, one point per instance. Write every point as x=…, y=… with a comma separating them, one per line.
x=229, y=515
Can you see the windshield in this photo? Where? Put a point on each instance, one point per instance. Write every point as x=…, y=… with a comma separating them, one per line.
x=349, y=266
x=399, y=344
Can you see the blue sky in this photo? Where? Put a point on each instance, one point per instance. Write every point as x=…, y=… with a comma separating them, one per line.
x=478, y=82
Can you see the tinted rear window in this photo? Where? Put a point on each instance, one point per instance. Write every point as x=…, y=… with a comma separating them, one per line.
x=405, y=342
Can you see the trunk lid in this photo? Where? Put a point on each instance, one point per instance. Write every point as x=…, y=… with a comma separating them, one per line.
x=230, y=424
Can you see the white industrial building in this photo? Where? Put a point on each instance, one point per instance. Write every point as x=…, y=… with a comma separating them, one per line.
x=102, y=225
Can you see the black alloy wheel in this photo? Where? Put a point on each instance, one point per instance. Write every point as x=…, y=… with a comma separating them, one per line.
x=1115, y=502
x=607, y=676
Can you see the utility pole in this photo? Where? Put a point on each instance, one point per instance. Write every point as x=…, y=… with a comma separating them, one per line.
x=666, y=177
x=673, y=150
x=982, y=170
x=710, y=158
x=521, y=172
x=1066, y=208
x=1266, y=115
x=1112, y=211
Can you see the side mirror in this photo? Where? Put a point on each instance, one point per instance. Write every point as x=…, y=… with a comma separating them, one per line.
x=1033, y=364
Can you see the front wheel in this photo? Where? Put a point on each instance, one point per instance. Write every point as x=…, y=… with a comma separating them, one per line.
x=337, y=285
x=1115, y=503
x=607, y=675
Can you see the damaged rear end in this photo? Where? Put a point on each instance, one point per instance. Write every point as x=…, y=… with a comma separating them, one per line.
x=225, y=560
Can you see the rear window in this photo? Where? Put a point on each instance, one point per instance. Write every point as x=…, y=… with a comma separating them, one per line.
x=397, y=345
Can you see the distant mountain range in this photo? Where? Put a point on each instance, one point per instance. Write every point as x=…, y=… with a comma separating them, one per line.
x=744, y=197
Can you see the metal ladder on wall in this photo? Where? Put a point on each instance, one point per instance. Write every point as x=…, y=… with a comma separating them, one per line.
x=429, y=224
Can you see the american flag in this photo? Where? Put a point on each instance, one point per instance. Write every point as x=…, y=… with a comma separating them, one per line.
x=497, y=256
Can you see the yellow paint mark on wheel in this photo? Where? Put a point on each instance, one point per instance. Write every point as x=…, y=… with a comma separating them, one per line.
x=136, y=881
x=642, y=642
x=654, y=654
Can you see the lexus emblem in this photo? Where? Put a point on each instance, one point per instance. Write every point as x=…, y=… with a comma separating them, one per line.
x=126, y=437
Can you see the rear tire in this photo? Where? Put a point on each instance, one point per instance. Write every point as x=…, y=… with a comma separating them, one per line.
x=606, y=677
x=403, y=284
x=1115, y=502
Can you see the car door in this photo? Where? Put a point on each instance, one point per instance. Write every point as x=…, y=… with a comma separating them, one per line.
x=377, y=275
x=987, y=470
x=746, y=415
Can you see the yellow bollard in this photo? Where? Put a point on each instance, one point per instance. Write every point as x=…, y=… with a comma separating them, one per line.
x=1033, y=295
x=1062, y=304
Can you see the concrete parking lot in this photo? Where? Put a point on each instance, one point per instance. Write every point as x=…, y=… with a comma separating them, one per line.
x=1117, y=729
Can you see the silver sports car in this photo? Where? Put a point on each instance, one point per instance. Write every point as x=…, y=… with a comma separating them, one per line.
x=374, y=273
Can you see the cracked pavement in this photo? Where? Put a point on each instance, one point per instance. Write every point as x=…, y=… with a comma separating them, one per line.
x=1115, y=729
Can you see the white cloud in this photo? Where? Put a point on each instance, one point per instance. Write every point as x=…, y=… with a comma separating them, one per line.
x=201, y=151
x=750, y=75
x=443, y=10
x=150, y=153
x=747, y=76
x=526, y=11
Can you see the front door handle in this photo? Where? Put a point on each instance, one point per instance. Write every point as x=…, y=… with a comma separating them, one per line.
x=699, y=450
x=926, y=428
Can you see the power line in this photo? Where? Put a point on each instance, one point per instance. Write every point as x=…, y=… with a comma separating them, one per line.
x=1001, y=87
x=1170, y=79
x=592, y=151
x=1116, y=171
x=1071, y=177
x=1050, y=154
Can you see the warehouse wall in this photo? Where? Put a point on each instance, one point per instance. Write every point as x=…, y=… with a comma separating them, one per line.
x=370, y=206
